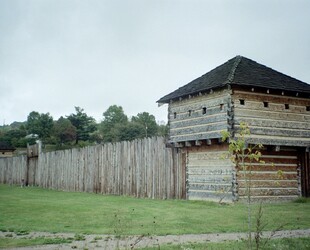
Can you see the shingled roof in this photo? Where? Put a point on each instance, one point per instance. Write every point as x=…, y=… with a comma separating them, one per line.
x=6, y=147
x=239, y=71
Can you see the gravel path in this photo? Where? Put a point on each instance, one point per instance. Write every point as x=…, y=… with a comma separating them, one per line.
x=134, y=242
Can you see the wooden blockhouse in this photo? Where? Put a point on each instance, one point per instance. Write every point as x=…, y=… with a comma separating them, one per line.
x=277, y=109
x=6, y=150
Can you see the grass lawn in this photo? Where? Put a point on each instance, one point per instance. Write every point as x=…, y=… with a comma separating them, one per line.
x=37, y=209
x=10, y=243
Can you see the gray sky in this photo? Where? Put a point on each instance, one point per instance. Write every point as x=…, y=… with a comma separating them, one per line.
x=57, y=54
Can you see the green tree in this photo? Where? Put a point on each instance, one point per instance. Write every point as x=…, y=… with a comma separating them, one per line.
x=64, y=131
x=130, y=131
x=114, y=121
x=114, y=115
x=84, y=124
x=243, y=155
x=40, y=124
x=147, y=122
x=162, y=130
x=16, y=137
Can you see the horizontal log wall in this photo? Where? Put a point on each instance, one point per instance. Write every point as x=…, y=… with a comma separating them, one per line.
x=273, y=120
x=277, y=177
x=141, y=168
x=210, y=173
x=200, y=117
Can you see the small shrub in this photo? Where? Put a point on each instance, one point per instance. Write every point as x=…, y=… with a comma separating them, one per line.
x=79, y=237
x=302, y=200
x=22, y=232
x=56, y=240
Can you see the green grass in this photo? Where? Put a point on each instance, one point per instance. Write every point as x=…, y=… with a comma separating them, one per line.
x=10, y=243
x=36, y=209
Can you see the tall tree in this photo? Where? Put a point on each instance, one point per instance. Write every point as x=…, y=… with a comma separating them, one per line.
x=40, y=124
x=130, y=131
x=114, y=121
x=147, y=122
x=162, y=130
x=14, y=137
x=84, y=124
x=64, y=131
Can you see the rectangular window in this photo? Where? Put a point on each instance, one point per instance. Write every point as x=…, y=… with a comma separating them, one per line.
x=189, y=113
x=175, y=115
x=287, y=106
x=204, y=110
x=242, y=102
x=221, y=106
x=266, y=104
x=308, y=108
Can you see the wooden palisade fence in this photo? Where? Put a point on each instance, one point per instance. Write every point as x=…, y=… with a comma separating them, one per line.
x=140, y=168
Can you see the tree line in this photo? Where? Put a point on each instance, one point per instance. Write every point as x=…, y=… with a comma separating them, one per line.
x=80, y=129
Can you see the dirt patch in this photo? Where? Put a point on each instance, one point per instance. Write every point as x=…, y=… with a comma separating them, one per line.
x=134, y=242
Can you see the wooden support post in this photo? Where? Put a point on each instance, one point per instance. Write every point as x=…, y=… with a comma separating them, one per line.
x=198, y=143
x=209, y=142
x=277, y=148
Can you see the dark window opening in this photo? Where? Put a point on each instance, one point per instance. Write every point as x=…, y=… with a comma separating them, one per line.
x=174, y=115
x=287, y=106
x=221, y=106
x=266, y=104
x=308, y=108
x=242, y=102
x=204, y=110
x=189, y=113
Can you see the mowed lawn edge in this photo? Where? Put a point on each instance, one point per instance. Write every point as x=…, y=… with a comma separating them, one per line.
x=37, y=209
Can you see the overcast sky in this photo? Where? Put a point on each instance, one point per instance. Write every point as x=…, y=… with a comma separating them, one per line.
x=57, y=54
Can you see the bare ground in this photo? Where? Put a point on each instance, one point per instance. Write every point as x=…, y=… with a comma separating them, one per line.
x=134, y=242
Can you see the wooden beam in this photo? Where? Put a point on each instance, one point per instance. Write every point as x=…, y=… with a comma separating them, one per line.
x=178, y=144
x=188, y=144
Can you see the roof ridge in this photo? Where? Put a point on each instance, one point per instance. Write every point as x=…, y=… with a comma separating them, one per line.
x=231, y=75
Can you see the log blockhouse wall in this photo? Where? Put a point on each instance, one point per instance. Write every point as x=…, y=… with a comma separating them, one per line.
x=276, y=121
x=141, y=168
x=200, y=117
x=281, y=123
x=211, y=173
x=273, y=119
x=276, y=177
